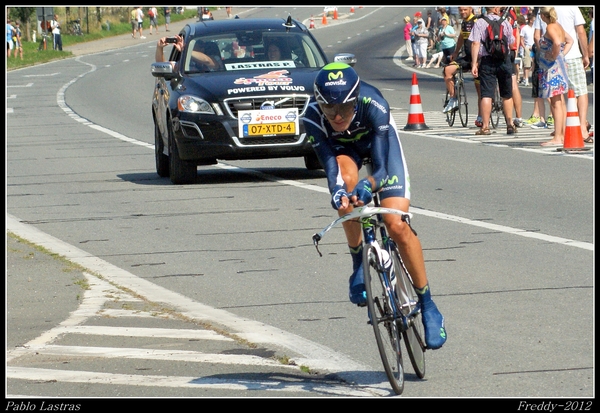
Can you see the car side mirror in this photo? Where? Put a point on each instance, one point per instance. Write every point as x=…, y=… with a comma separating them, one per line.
x=347, y=58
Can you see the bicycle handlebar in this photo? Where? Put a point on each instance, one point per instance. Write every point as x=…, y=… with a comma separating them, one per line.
x=361, y=212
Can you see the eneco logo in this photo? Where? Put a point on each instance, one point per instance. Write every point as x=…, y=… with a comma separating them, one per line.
x=335, y=79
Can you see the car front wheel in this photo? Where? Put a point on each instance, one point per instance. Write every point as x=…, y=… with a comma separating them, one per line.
x=312, y=162
x=162, y=160
x=181, y=172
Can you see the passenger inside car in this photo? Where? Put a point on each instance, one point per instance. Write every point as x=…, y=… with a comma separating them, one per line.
x=277, y=51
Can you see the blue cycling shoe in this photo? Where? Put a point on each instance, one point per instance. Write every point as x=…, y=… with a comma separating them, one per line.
x=358, y=294
x=433, y=321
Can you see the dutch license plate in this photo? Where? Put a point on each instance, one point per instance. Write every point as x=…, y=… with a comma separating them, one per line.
x=287, y=128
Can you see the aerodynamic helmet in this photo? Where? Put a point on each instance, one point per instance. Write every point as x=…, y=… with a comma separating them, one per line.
x=336, y=83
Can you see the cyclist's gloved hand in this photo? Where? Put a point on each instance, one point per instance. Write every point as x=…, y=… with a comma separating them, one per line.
x=339, y=192
x=363, y=191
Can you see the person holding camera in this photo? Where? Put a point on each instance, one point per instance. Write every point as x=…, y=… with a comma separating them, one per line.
x=201, y=60
x=56, y=37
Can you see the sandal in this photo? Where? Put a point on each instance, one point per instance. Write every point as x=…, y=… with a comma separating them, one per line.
x=483, y=131
x=589, y=139
x=511, y=130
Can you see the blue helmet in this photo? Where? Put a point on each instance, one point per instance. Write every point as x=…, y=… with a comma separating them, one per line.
x=336, y=83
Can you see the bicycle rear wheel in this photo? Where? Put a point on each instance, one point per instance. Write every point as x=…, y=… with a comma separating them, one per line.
x=414, y=333
x=463, y=106
x=381, y=317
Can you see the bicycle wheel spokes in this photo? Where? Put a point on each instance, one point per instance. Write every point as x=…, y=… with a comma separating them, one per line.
x=463, y=107
x=382, y=319
x=414, y=333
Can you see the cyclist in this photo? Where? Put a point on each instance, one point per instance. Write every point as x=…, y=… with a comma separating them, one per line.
x=463, y=43
x=348, y=120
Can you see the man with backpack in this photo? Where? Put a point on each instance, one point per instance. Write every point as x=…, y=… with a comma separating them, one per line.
x=490, y=39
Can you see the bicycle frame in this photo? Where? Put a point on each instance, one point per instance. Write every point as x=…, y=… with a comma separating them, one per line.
x=370, y=218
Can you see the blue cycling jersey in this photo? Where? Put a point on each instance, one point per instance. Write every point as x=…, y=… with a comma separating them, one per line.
x=372, y=133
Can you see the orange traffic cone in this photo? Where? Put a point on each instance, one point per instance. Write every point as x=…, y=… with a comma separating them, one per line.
x=352, y=10
x=335, y=16
x=324, y=21
x=416, y=120
x=573, y=136
x=312, y=22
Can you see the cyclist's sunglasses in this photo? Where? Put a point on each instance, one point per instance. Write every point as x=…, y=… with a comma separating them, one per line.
x=345, y=110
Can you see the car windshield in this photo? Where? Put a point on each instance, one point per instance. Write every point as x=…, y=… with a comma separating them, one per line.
x=252, y=50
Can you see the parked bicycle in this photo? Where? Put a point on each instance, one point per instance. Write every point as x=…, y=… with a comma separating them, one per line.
x=392, y=303
x=461, y=95
x=75, y=27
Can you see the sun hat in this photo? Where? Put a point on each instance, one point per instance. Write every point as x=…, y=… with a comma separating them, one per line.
x=418, y=14
x=407, y=19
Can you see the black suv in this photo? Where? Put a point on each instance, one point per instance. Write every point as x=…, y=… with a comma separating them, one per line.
x=249, y=107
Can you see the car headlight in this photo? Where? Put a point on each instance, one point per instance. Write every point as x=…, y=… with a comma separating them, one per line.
x=194, y=104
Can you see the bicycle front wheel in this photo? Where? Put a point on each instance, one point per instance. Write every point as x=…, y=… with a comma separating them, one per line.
x=449, y=115
x=414, y=332
x=463, y=107
x=381, y=315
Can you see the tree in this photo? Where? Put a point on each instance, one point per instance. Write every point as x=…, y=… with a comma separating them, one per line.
x=23, y=15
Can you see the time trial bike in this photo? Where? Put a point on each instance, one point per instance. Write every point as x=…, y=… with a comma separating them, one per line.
x=392, y=303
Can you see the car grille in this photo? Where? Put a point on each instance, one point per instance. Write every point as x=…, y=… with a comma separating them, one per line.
x=254, y=103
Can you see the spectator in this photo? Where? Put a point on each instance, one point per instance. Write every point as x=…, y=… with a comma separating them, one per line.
x=554, y=82
x=10, y=32
x=571, y=19
x=153, y=15
x=447, y=38
x=442, y=12
x=206, y=14
x=167, y=12
x=462, y=44
x=437, y=58
x=139, y=17
x=347, y=122
x=408, y=39
x=538, y=117
x=18, y=41
x=228, y=10
x=133, y=18
x=511, y=16
x=492, y=73
x=527, y=42
x=421, y=42
x=453, y=14
x=591, y=41
x=56, y=36
x=430, y=24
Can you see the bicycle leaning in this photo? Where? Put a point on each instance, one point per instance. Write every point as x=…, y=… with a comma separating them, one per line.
x=392, y=302
x=460, y=94
x=75, y=27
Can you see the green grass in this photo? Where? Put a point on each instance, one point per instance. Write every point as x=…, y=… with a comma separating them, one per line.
x=33, y=56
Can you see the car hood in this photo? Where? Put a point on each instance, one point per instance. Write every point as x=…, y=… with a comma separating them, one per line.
x=217, y=86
